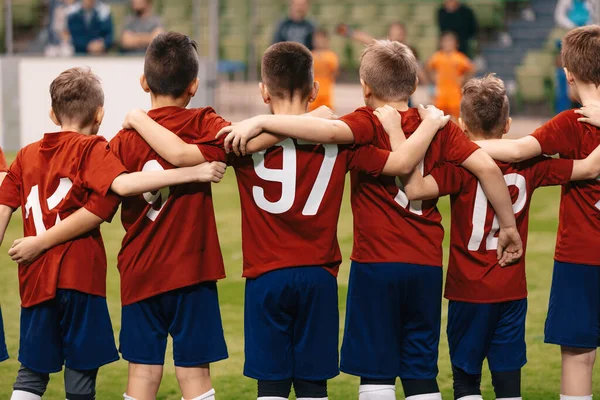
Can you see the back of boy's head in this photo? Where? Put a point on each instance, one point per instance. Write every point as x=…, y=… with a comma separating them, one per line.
x=484, y=107
x=76, y=96
x=171, y=64
x=389, y=69
x=580, y=53
x=287, y=70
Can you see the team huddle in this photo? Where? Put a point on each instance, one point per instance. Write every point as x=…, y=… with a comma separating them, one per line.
x=290, y=168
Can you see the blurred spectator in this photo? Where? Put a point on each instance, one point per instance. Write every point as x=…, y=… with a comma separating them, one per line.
x=460, y=19
x=295, y=27
x=570, y=14
x=59, y=40
x=326, y=66
x=450, y=70
x=140, y=28
x=91, y=27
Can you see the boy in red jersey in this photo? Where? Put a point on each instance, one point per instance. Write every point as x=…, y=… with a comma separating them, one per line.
x=573, y=320
x=289, y=224
x=3, y=349
x=488, y=303
x=62, y=296
x=397, y=255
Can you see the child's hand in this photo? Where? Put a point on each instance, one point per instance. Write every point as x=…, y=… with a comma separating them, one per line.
x=26, y=250
x=510, y=247
x=238, y=135
x=590, y=114
x=322, y=112
x=433, y=114
x=131, y=117
x=210, y=172
x=391, y=120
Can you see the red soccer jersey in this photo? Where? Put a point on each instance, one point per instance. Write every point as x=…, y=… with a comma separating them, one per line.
x=290, y=199
x=171, y=236
x=50, y=180
x=578, y=236
x=387, y=228
x=474, y=274
x=3, y=165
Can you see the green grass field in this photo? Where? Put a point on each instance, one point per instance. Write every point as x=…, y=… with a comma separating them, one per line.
x=540, y=378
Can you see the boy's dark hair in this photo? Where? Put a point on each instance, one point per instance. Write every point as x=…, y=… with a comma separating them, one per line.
x=580, y=50
x=484, y=107
x=389, y=69
x=287, y=70
x=171, y=64
x=76, y=95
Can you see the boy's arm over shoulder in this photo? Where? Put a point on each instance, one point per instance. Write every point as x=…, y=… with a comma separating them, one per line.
x=457, y=147
x=588, y=168
x=512, y=150
x=560, y=135
x=548, y=171
x=99, y=166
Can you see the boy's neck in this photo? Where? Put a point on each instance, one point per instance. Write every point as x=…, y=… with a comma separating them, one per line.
x=589, y=93
x=167, y=101
x=294, y=107
x=88, y=130
x=398, y=105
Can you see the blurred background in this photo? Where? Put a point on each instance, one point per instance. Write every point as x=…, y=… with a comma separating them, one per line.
x=517, y=39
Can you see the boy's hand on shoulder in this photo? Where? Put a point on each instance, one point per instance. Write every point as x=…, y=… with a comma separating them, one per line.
x=26, y=250
x=433, y=114
x=133, y=116
x=322, y=112
x=590, y=114
x=510, y=247
x=238, y=135
x=391, y=120
x=210, y=172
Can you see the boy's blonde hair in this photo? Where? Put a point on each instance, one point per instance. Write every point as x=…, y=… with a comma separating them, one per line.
x=76, y=96
x=484, y=107
x=389, y=69
x=580, y=51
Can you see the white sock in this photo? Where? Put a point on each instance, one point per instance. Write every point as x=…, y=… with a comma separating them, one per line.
x=127, y=397
x=563, y=397
x=23, y=395
x=474, y=397
x=377, y=392
x=428, y=396
x=210, y=395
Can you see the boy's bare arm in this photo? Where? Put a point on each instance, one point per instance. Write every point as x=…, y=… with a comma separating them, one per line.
x=419, y=187
x=5, y=215
x=590, y=114
x=146, y=181
x=508, y=150
x=588, y=168
x=307, y=128
x=28, y=249
x=510, y=247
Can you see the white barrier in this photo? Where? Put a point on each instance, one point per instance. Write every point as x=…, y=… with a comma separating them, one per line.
x=120, y=81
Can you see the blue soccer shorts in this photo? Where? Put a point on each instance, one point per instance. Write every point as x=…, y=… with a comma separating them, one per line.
x=3, y=350
x=73, y=329
x=494, y=331
x=291, y=325
x=192, y=317
x=574, y=310
x=393, y=318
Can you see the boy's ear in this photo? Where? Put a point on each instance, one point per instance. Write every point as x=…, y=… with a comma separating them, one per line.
x=144, y=84
x=462, y=125
x=264, y=92
x=570, y=77
x=54, y=118
x=314, y=92
x=194, y=87
x=508, y=124
x=416, y=86
x=366, y=89
x=99, y=115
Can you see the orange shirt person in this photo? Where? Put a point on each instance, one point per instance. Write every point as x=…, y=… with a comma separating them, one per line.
x=450, y=69
x=326, y=67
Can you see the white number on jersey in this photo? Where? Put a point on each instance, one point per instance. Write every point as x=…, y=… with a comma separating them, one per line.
x=415, y=206
x=287, y=176
x=34, y=208
x=481, y=208
x=161, y=196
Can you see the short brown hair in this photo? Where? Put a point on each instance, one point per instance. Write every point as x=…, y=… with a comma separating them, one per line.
x=287, y=70
x=580, y=51
x=389, y=69
x=76, y=95
x=171, y=64
x=484, y=107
